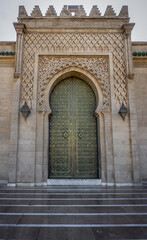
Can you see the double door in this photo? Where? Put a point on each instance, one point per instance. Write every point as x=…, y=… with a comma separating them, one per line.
x=73, y=131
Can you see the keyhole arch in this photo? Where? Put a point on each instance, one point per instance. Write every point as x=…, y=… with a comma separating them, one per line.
x=81, y=74
x=73, y=130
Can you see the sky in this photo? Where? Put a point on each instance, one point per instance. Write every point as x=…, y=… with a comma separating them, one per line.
x=9, y=13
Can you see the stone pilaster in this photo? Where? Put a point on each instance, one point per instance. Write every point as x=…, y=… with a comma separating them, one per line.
x=127, y=34
x=15, y=107
x=109, y=149
x=19, y=27
x=132, y=104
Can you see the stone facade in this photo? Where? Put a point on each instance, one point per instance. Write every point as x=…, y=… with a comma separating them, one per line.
x=94, y=48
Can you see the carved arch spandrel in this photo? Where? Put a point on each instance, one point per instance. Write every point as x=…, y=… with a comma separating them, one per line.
x=73, y=72
x=94, y=70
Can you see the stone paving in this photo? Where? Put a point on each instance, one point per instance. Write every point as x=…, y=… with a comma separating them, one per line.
x=73, y=213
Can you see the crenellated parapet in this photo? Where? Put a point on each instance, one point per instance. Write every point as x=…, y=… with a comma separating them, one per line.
x=73, y=11
x=73, y=17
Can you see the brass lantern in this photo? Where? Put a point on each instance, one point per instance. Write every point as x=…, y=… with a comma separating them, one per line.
x=25, y=110
x=123, y=111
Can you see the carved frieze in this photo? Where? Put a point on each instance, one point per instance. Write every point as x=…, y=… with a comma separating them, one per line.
x=79, y=43
x=73, y=23
x=97, y=66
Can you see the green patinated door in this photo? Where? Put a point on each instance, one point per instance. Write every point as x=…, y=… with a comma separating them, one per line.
x=72, y=131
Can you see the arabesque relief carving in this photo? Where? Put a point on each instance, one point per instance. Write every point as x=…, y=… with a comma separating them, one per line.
x=97, y=66
x=68, y=43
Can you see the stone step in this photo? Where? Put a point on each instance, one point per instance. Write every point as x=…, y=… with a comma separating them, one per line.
x=144, y=183
x=73, y=212
x=70, y=209
x=69, y=202
x=72, y=219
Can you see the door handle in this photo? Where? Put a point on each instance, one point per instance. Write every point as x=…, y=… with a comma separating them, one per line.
x=80, y=135
x=65, y=134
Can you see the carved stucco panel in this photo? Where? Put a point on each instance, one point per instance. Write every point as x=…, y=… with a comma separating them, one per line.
x=79, y=43
x=97, y=66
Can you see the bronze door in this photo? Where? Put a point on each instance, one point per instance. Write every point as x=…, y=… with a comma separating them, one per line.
x=73, y=134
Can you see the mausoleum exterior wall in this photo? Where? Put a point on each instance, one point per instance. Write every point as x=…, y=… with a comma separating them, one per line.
x=95, y=49
x=140, y=79
x=6, y=91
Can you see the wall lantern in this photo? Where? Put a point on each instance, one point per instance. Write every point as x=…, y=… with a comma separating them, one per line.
x=25, y=110
x=123, y=111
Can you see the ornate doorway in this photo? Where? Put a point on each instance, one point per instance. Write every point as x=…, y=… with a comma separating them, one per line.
x=73, y=131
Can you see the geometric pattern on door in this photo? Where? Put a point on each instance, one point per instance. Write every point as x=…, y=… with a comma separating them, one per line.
x=73, y=151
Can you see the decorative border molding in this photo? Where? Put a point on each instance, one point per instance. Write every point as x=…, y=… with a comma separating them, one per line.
x=98, y=66
x=71, y=43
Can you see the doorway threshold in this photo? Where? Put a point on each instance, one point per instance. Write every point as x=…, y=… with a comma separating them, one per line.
x=74, y=182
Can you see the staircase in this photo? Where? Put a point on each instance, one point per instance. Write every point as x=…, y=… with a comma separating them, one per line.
x=73, y=213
